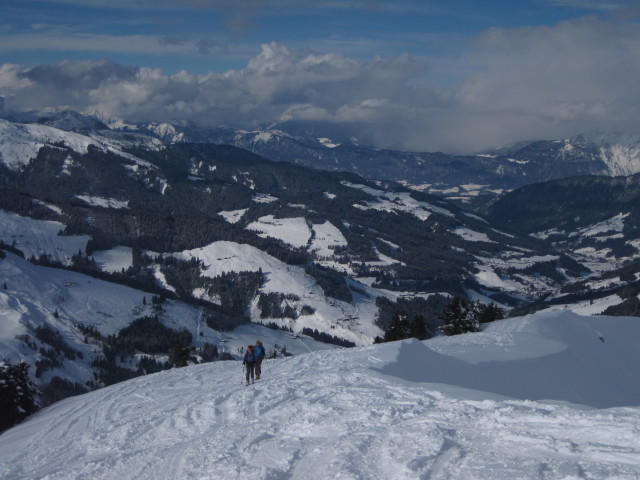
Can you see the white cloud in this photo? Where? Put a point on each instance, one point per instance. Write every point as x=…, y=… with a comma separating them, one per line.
x=11, y=80
x=523, y=83
x=576, y=76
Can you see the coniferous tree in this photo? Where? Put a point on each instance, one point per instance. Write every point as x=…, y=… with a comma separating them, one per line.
x=490, y=313
x=418, y=328
x=208, y=352
x=17, y=394
x=399, y=329
x=460, y=316
x=180, y=355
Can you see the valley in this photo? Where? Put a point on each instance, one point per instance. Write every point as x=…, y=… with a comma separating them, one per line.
x=212, y=238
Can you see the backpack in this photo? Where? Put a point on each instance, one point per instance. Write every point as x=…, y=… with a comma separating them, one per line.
x=249, y=357
x=259, y=351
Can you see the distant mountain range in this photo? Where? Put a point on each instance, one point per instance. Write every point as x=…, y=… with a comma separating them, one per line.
x=461, y=178
x=457, y=177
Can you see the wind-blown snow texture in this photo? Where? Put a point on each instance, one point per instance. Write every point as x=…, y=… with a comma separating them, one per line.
x=365, y=413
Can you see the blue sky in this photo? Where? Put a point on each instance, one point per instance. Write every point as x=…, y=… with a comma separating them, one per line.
x=423, y=75
x=209, y=35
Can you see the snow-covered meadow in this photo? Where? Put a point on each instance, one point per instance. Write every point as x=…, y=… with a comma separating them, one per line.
x=37, y=295
x=493, y=405
x=353, y=321
x=37, y=237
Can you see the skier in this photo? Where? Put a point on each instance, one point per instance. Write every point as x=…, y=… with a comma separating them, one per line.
x=249, y=363
x=260, y=354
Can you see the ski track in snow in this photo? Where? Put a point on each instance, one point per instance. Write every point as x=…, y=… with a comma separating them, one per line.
x=328, y=415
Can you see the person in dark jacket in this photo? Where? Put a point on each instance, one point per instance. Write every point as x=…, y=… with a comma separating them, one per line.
x=249, y=363
x=259, y=352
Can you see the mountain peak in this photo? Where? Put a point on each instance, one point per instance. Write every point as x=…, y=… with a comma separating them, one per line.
x=70, y=120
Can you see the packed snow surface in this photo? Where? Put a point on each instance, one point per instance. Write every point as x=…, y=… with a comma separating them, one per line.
x=403, y=410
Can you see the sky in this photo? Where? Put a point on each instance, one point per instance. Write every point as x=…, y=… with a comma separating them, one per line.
x=457, y=76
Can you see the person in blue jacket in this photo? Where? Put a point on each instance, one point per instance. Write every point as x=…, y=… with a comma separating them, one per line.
x=260, y=354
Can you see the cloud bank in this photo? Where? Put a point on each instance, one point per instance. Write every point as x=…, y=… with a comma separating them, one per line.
x=512, y=85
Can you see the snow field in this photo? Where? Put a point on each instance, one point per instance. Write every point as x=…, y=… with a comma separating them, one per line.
x=233, y=216
x=34, y=293
x=326, y=236
x=113, y=260
x=22, y=143
x=36, y=237
x=401, y=410
x=471, y=235
x=293, y=231
x=398, y=201
x=327, y=415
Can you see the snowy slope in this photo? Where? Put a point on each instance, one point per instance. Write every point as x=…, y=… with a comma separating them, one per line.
x=293, y=231
x=37, y=237
x=329, y=314
x=34, y=293
x=20, y=143
x=366, y=413
x=620, y=152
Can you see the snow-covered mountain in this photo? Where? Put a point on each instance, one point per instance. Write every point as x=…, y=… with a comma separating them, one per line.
x=464, y=178
x=131, y=190
x=545, y=396
x=593, y=219
x=338, y=220
x=233, y=239
x=457, y=177
x=83, y=311
x=21, y=142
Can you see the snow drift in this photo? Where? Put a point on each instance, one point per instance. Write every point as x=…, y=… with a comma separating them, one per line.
x=369, y=412
x=554, y=356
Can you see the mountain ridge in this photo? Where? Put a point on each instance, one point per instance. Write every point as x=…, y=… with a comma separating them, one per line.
x=463, y=178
